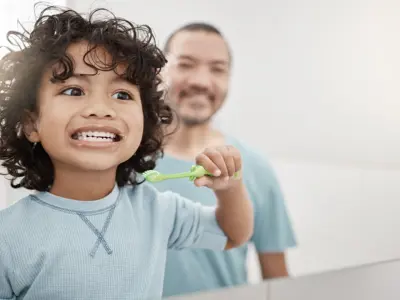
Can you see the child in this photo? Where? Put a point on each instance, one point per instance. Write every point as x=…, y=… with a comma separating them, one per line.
x=81, y=112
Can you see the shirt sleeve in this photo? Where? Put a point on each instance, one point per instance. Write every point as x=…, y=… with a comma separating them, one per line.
x=194, y=226
x=273, y=231
x=6, y=292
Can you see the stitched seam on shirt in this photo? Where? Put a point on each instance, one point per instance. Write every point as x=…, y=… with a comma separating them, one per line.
x=71, y=211
x=100, y=235
x=82, y=215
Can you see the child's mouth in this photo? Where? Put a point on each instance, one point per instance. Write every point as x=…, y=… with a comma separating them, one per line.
x=96, y=136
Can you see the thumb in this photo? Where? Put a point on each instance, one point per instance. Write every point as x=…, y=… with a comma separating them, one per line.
x=204, y=181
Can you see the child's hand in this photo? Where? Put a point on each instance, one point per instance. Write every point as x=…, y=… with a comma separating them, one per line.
x=222, y=162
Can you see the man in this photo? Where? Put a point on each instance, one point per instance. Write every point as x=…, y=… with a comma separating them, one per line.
x=197, y=77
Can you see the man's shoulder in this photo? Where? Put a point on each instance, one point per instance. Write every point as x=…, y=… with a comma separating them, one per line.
x=250, y=155
x=258, y=174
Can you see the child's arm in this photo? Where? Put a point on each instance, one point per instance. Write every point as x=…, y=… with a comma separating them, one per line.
x=234, y=213
x=228, y=225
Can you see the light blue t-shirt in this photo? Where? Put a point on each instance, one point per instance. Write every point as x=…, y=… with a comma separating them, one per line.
x=53, y=248
x=190, y=271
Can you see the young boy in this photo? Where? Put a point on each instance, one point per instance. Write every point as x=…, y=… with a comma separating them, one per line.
x=81, y=114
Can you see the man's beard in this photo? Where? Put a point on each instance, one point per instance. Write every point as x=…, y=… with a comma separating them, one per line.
x=189, y=120
x=193, y=122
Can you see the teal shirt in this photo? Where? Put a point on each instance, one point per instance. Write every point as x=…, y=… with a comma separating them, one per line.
x=190, y=271
x=53, y=248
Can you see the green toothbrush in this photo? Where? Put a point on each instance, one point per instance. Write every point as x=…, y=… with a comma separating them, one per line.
x=195, y=172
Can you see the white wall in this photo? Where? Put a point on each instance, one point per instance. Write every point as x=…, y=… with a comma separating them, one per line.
x=3, y=191
x=319, y=79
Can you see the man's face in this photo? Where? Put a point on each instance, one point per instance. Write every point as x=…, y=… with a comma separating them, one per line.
x=197, y=75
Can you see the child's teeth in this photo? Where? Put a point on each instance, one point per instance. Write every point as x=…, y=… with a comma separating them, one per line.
x=96, y=136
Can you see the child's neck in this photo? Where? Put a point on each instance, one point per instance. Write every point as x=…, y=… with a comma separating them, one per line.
x=83, y=186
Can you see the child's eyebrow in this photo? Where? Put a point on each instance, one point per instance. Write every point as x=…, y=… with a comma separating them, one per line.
x=75, y=76
x=86, y=77
x=120, y=79
x=80, y=76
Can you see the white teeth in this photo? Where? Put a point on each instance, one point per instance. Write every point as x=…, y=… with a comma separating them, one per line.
x=96, y=136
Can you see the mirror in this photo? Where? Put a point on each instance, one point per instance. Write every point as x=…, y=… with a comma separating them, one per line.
x=314, y=89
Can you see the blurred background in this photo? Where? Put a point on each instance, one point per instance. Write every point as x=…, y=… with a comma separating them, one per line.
x=316, y=88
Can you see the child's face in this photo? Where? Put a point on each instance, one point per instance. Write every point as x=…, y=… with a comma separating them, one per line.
x=91, y=122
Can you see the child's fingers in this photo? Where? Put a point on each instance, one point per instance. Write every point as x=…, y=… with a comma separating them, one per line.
x=204, y=181
x=213, y=162
x=237, y=159
x=228, y=154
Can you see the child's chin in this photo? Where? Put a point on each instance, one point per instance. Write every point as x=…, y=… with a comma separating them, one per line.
x=99, y=167
x=97, y=164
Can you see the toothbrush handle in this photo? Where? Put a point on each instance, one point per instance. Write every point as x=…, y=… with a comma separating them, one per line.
x=236, y=175
x=177, y=175
x=191, y=174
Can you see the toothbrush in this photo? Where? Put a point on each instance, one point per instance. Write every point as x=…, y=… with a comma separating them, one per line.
x=195, y=172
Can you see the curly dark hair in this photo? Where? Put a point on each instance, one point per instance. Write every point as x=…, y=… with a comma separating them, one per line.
x=21, y=71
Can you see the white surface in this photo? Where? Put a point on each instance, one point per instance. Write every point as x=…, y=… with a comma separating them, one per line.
x=367, y=283
x=253, y=292
x=3, y=190
x=343, y=215
x=315, y=86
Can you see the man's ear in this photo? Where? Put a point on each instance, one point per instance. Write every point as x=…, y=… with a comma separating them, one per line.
x=30, y=127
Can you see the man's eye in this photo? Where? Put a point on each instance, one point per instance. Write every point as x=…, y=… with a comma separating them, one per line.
x=185, y=66
x=75, y=92
x=218, y=70
x=122, y=96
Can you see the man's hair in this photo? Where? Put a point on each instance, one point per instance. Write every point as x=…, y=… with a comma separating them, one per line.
x=194, y=27
x=21, y=71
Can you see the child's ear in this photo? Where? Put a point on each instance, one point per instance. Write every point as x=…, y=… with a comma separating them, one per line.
x=30, y=127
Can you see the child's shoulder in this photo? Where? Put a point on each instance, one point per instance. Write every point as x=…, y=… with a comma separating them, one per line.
x=146, y=195
x=145, y=189
x=16, y=209
x=11, y=216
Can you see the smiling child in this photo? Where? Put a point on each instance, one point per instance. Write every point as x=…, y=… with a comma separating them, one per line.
x=81, y=115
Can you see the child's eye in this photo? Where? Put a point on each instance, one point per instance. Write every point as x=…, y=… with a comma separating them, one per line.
x=122, y=96
x=75, y=92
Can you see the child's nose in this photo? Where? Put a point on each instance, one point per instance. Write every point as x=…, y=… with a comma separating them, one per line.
x=99, y=109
